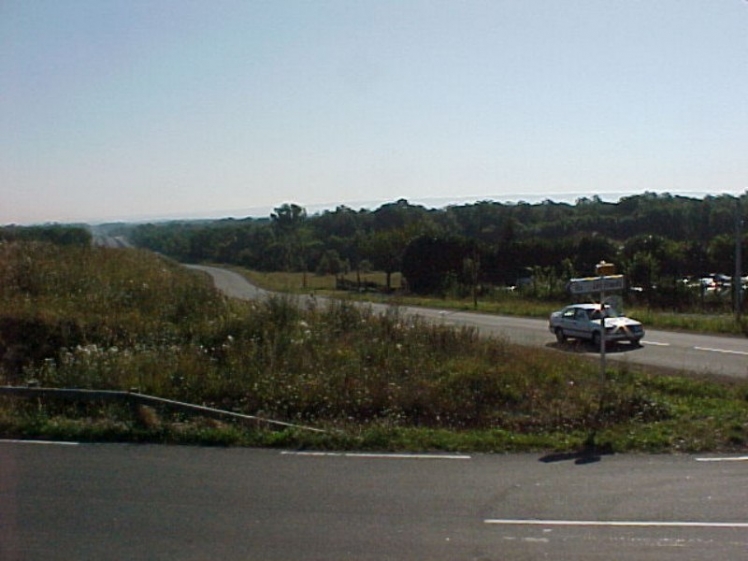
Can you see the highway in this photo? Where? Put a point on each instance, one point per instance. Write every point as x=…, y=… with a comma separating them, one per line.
x=681, y=352
x=113, y=501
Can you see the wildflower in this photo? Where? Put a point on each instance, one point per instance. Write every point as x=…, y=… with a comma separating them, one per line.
x=87, y=350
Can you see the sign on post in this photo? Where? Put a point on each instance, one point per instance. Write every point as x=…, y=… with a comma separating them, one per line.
x=589, y=285
x=606, y=281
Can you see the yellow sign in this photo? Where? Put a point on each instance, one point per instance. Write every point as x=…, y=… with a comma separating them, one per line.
x=604, y=269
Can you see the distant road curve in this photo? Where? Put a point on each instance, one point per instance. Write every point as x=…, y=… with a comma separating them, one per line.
x=111, y=241
x=685, y=352
x=230, y=283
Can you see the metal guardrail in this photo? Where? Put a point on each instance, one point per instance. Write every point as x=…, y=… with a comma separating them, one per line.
x=133, y=398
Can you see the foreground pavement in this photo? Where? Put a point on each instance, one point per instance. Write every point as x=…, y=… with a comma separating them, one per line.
x=111, y=501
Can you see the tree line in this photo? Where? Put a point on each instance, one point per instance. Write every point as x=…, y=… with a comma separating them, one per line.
x=57, y=234
x=657, y=241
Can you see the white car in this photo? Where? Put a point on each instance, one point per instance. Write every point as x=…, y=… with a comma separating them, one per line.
x=582, y=321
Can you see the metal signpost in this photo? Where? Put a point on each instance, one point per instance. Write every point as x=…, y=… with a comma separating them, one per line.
x=738, y=280
x=605, y=281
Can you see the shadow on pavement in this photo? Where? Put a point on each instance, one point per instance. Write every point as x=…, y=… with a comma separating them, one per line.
x=590, y=453
x=587, y=347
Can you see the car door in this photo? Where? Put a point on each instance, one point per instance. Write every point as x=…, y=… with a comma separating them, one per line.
x=582, y=327
x=569, y=322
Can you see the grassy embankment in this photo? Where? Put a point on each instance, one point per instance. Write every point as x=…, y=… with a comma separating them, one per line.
x=117, y=319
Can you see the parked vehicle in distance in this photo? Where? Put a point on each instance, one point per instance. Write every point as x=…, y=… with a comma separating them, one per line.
x=582, y=321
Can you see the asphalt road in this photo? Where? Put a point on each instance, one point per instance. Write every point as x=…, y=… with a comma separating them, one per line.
x=686, y=352
x=112, y=502
x=111, y=241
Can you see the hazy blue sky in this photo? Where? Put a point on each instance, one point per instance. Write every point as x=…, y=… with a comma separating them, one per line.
x=129, y=109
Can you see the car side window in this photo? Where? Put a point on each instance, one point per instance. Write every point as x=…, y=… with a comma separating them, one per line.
x=569, y=314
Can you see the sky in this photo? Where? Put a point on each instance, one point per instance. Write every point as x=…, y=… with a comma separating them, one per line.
x=146, y=109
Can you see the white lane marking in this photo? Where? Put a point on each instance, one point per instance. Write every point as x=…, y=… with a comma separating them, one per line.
x=379, y=456
x=730, y=459
x=707, y=349
x=619, y=523
x=48, y=442
x=725, y=351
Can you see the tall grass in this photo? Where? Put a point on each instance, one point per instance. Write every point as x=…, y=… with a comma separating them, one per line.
x=59, y=302
x=121, y=319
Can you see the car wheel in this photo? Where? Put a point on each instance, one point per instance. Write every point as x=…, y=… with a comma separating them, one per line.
x=596, y=340
x=560, y=337
x=636, y=342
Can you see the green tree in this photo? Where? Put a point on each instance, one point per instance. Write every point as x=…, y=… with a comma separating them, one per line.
x=384, y=249
x=330, y=264
x=287, y=221
x=430, y=263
